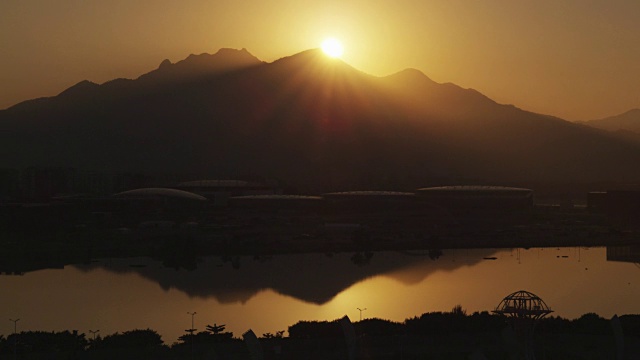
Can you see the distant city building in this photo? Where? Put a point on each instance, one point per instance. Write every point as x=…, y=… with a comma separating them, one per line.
x=159, y=193
x=146, y=201
x=219, y=191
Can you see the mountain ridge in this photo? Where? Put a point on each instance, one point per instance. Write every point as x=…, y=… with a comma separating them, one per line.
x=627, y=121
x=310, y=120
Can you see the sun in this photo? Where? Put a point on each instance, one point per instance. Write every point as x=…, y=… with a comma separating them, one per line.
x=332, y=47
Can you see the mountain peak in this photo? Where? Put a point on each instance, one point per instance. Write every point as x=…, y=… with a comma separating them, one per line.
x=229, y=112
x=79, y=88
x=410, y=74
x=230, y=51
x=204, y=64
x=314, y=60
x=165, y=64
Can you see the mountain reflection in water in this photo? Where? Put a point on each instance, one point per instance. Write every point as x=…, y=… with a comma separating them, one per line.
x=271, y=293
x=312, y=278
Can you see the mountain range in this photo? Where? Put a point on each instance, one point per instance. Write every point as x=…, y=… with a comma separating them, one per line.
x=625, y=125
x=310, y=120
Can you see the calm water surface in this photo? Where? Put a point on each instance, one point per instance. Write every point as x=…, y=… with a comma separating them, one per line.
x=270, y=294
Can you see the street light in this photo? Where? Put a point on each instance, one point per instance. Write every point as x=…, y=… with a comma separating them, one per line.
x=94, y=332
x=15, y=322
x=15, y=338
x=192, y=315
x=361, y=310
x=192, y=330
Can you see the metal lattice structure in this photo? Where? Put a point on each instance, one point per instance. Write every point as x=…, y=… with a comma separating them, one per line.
x=524, y=309
x=523, y=304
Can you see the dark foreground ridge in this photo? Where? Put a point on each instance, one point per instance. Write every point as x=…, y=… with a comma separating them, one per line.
x=448, y=335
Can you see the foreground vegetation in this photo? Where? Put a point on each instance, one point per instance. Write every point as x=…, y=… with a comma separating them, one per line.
x=449, y=335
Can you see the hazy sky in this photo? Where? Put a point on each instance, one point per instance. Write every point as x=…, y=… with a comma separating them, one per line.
x=577, y=59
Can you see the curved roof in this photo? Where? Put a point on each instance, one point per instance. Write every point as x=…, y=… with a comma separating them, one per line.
x=479, y=192
x=160, y=192
x=369, y=193
x=277, y=197
x=218, y=183
x=474, y=188
x=523, y=304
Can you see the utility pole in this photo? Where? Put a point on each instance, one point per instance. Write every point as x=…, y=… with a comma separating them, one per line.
x=192, y=330
x=15, y=338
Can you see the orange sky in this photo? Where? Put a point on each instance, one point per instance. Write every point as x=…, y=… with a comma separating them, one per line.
x=576, y=59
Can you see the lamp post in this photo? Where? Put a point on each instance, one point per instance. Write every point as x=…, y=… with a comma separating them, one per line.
x=192, y=315
x=15, y=337
x=15, y=326
x=361, y=310
x=94, y=332
x=192, y=330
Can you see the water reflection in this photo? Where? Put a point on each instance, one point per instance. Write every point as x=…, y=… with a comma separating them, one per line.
x=269, y=294
x=312, y=278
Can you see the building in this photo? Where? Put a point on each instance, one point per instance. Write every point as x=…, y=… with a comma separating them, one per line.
x=219, y=191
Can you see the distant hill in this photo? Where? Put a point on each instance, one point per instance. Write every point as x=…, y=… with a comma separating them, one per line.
x=628, y=121
x=309, y=120
x=625, y=126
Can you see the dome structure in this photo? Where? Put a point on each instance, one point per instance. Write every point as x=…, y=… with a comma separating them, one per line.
x=523, y=304
x=159, y=193
x=220, y=191
x=524, y=309
x=477, y=191
x=217, y=184
x=369, y=194
x=277, y=198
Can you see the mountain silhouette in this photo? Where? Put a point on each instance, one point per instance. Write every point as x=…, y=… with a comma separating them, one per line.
x=201, y=66
x=627, y=121
x=308, y=119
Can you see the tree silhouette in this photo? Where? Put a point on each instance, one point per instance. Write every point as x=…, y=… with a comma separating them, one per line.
x=129, y=339
x=216, y=329
x=277, y=335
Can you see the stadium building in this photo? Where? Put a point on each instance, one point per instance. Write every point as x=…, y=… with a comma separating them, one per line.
x=219, y=191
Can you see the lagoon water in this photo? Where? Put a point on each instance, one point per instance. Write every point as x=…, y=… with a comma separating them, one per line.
x=269, y=294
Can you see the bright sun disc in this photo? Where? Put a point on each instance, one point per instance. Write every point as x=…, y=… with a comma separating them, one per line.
x=332, y=47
